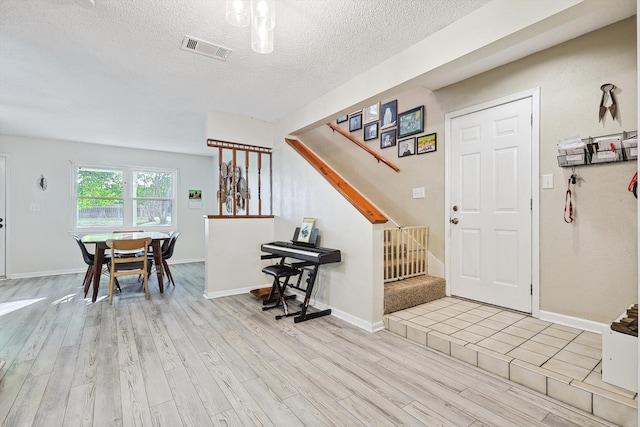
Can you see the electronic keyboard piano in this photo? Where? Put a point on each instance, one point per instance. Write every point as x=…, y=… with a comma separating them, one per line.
x=302, y=252
x=305, y=255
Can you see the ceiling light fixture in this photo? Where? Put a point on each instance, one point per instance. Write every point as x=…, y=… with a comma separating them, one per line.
x=262, y=16
x=238, y=12
x=263, y=22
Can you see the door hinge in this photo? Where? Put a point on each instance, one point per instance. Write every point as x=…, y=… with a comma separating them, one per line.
x=531, y=204
x=532, y=289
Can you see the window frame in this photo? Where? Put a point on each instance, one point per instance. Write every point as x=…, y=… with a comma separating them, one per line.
x=128, y=197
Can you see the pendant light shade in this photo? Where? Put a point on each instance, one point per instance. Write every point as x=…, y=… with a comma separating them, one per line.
x=263, y=22
x=261, y=39
x=238, y=12
x=263, y=14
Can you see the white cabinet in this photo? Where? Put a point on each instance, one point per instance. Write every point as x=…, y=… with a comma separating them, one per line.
x=620, y=359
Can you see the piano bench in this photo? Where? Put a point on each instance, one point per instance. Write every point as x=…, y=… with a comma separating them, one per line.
x=279, y=270
x=277, y=296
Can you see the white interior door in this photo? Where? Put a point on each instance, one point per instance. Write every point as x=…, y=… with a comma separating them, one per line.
x=491, y=205
x=3, y=216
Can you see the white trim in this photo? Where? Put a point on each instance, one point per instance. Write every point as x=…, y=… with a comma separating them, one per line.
x=534, y=94
x=81, y=270
x=232, y=292
x=128, y=196
x=574, y=322
x=7, y=214
x=49, y=273
x=349, y=318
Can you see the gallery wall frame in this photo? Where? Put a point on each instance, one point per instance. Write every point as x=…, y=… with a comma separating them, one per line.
x=426, y=143
x=407, y=147
x=371, y=131
x=372, y=113
x=388, y=138
x=355, y=121
x=389, y=113
x=411, y=122
x=342, y=119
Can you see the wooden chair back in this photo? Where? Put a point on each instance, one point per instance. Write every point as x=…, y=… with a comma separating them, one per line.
x=135, y=263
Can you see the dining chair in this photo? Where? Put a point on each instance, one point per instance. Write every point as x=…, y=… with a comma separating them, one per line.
x=130, y=265
x=89, y=259
x=168, y=253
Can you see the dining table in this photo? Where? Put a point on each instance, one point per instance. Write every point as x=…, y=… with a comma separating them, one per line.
x=100, y=241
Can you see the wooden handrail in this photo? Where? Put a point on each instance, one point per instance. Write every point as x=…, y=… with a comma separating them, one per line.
x=351, y=194
x=377, y=156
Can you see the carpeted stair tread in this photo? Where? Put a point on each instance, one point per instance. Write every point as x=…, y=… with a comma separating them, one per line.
x=411, y=292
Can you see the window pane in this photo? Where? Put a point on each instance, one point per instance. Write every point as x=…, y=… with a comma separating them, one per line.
x=153, y=184
x=99, y=183
x=152, y=212
x=100, y=213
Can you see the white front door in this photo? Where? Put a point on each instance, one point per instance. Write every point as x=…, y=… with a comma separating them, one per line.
x=3, y=216
x=490, y=207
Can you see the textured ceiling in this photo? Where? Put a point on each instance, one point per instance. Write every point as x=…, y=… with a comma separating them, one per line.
x=115, y=74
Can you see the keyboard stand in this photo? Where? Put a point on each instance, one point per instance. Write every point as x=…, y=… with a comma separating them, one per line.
x=302, y=315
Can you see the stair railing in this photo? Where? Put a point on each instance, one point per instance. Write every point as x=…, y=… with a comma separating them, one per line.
x=405, y=252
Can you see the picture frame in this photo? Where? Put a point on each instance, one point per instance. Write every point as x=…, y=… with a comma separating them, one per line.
x=342, y=119
x=407, y=147
x=372, y=113
x=411, y=122
x=389, y=113
x=371, y=131
x=388, y=138
x=355, y=121
x=426, y=143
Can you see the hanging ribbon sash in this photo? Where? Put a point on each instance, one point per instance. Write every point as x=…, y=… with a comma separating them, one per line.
x=613, y=108
x=568, y=202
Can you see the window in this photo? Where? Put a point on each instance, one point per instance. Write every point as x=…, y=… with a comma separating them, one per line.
x=123, y=197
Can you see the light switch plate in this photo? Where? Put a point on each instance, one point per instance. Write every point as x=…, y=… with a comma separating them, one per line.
x=418, y=193
x=547, y=181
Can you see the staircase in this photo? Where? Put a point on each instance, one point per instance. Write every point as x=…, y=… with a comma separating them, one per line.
x=407, y=283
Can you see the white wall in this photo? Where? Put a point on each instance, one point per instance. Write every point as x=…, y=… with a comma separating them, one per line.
x=354, y=287
x=233, y=262
x=41, y=242
x=232, y=255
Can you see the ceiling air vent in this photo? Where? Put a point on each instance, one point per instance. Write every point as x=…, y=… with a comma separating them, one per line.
x=205, y=48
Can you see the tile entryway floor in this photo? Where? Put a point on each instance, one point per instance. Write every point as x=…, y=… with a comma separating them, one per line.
x=557, y=360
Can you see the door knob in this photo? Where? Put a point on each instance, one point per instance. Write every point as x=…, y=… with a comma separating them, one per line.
x=454, y=220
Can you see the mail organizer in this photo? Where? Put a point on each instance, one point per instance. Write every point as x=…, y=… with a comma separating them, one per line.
x=575, y=151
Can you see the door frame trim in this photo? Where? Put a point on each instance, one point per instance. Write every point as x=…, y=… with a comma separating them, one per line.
x=7, y=214
x=534, y=94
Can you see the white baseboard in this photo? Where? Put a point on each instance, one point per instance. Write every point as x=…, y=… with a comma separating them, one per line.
x=48, y=273
x=232, y=292
x=353, y=320
x=79, y=270
x=574, y=322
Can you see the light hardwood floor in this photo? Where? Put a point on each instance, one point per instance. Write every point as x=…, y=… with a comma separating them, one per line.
x=179, y=359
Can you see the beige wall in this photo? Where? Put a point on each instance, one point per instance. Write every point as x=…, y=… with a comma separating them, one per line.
x=587, y=269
